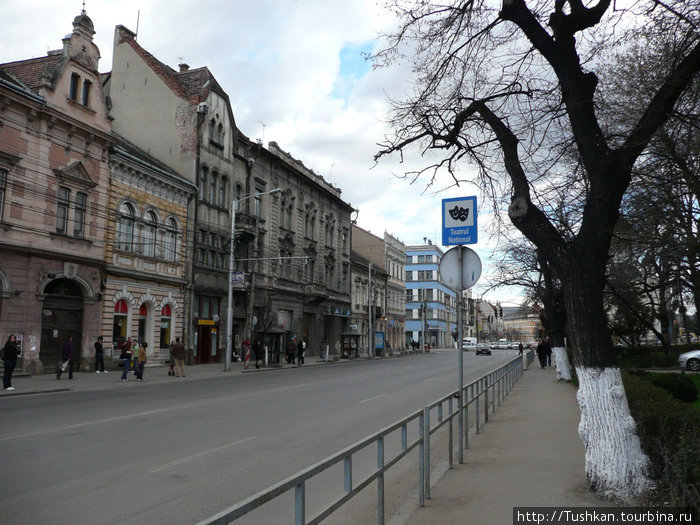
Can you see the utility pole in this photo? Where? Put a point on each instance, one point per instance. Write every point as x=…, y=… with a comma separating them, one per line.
x=370, y=338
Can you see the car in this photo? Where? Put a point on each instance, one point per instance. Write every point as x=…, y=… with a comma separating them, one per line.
x=469, y=346
x=690, y=360
x=482, y=349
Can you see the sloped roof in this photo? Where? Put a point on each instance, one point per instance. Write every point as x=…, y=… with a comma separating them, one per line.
x=195, y=83
x=34, y=72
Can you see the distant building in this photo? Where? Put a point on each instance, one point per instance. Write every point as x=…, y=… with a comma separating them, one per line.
x=430, y=305
x=388, y=254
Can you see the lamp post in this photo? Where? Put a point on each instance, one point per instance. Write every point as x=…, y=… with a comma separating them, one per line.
x=229, y=320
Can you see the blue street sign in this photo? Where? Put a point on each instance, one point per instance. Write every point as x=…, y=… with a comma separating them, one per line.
x=459, y=221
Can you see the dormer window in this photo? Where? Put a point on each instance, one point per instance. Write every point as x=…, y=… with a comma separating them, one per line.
x=74, y=85
x=86, y=92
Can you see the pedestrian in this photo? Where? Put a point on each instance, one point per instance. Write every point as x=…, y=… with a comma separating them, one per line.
x=291, y=348
x=541, y=353
x=322, y=353
x=67, y=358
x=301, y=350
x=10, y=352
x=99, y=356
x=548, y=352
x=141, y=361
x=520, y=348
x=179, y=355
x=257, y=352
x=125, y=356
x=171, y=370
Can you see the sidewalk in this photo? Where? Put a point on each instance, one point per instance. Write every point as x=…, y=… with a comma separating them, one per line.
x=528, y=454
x=46, y=383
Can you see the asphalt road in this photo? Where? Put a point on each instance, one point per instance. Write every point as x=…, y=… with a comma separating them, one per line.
x=180, y=452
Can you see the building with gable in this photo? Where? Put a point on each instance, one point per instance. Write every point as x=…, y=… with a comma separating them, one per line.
x=55, y=137
x=184, y=119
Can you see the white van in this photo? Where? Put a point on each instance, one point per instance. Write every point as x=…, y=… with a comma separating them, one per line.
x=468, y=343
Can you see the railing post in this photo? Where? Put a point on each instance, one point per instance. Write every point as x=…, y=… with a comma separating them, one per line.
x=421, y=462
x=466, y=414
x=347, y=469
x=300, y=504
x=478, y=398
x=450, y=448
x=380, y=481
x=426, y=440
x=404, y=438
x=486, y=398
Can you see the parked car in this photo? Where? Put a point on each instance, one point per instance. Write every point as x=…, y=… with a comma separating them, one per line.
x=482, y=349
x=690, y=360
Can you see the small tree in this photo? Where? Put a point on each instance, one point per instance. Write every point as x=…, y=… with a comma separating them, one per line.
x=514, y=92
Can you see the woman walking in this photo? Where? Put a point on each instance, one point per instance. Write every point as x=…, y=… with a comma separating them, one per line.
x=10, y=352
x=141, y=361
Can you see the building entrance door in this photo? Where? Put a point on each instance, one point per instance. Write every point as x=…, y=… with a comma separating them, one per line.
x=62, y=315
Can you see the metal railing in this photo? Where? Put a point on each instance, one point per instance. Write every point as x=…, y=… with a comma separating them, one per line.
x=481, y=395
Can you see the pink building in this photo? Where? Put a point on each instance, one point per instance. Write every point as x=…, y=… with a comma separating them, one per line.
x=55, y=139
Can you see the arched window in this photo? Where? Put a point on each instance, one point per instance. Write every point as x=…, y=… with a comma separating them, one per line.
x=119, y=326
x=212, y=129
x=165, y=326
x=170, y=244
x=149, y=234
x=220, y=134
x=125, y=227
x=239, y=192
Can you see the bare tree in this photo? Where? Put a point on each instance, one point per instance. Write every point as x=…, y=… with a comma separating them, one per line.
x=513, y=92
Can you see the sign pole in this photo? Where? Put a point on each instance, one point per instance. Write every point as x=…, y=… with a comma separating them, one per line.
x=460, y=339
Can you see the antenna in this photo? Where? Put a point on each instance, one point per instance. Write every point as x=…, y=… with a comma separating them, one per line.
x=138, y=18
x=262, y=141
x=83, y=12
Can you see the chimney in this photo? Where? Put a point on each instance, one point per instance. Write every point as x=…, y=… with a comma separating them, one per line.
x=184, y=67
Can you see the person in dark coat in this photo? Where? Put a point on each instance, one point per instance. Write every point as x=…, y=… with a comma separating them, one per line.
x=67, y=358
x=257, y=352
x=99, y=356
x=541, y=353
x=301, y=350
x=10, y=352
x=547, y=352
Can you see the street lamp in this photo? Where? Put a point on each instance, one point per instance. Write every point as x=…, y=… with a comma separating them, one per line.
x=229, y=320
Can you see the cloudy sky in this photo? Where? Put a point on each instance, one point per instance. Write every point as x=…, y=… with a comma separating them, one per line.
x=295, y=74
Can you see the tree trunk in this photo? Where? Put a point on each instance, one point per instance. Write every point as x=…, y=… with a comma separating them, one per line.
x=562, y=364
x=616, y=466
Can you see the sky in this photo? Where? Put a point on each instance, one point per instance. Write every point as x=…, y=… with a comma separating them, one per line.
x=295, y=73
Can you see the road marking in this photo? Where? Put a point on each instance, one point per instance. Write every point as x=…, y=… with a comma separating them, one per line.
x=372, y=398
x=200, y=454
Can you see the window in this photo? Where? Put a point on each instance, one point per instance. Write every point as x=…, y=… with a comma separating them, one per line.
x=62, y=210
x=212, y=188
x=409, y=276
x=3, y=185
x=149, y=235
x=222, y=193
x=74, y=84
x=121, y=317
x=79, y=217
x=170, y=243
x=86, y=92
x=125, y=227
x=203, y=184
x=165, y=326
x=257, y=204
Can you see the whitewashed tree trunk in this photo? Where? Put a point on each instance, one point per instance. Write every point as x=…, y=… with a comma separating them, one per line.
x=616, y=466
x=562, y=364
